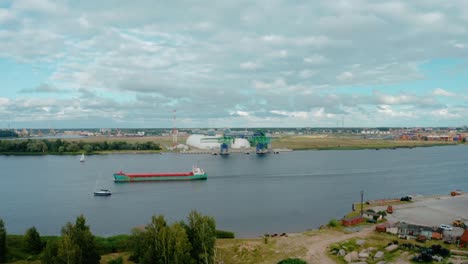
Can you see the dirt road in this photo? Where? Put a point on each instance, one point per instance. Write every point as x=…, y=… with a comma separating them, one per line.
x=317, y=252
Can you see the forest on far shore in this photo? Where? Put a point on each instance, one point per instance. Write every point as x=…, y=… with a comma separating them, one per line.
x=58, y=146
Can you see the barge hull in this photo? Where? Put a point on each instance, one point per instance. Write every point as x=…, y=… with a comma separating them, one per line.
x=160, y=177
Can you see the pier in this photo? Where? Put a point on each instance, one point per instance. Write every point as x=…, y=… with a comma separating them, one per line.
x=233, y=151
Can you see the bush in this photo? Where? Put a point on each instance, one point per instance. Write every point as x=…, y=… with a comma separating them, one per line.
x=107, y=245
x=224, y=234
x=292, y=261
x=333, y=223
x=382, y=213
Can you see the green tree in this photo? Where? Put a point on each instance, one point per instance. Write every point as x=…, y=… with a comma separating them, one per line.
x=77, y=245
x=72, y=147
x=179, y=245
x=61, y=149
x=201, y=232
x=156, y=241
x=50, y=253
x=137, y=244
x=56, y=145
x=32, y=241
x=68, y=252
x=160, y=243
x=88, y=148
x=2, y=242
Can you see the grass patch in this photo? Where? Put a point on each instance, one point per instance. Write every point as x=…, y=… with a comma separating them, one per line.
x=232, y=251
x=347, y=143
x=108, y=258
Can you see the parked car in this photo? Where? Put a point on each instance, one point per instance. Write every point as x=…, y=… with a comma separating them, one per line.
x=446, y=227
x=406, y=198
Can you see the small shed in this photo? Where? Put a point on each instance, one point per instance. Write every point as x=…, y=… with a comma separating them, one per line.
x=392, y=230
x=352, y=221
x=437, y=235
x=426, y=233
x=464, y=239
x=381, y=228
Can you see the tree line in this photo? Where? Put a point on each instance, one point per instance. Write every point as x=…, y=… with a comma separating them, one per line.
x=59, y=146
x=8, y=134
x=158, y=242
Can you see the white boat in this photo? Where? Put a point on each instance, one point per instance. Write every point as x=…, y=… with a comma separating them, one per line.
x=102, y=192
x=82, y=159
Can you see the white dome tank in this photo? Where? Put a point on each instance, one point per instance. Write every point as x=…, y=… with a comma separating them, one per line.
x=240, y=143
x=209, y=142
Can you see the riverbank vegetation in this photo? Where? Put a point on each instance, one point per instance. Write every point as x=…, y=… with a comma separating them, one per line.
x=58, y=146
x=8, y=134
x=158, y=242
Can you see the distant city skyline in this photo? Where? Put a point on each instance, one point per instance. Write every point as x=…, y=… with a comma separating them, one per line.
x=120, y=64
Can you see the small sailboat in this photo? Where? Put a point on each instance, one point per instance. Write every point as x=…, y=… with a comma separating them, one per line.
x=82, y=159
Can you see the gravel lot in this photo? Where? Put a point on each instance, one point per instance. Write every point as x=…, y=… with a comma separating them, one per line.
x=431, y=211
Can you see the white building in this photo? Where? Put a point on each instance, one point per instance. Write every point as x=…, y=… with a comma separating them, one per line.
x=211, y=142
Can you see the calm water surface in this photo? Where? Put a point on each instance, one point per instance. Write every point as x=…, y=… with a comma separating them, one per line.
x=248, y=194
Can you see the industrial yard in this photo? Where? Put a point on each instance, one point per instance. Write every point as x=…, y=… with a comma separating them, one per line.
x=430, y=211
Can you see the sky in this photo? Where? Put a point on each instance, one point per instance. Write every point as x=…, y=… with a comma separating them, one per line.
x=263, y=63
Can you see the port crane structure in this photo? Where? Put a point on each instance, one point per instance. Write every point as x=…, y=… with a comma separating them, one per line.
x=260, y=139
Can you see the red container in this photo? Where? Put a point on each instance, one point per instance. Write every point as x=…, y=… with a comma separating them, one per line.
x=352, y=221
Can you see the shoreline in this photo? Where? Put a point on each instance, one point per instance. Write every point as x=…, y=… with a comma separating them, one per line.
x=203, y=151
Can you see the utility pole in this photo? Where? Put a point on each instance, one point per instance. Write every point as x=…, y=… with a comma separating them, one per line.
x=362, y=203
x=174, y=130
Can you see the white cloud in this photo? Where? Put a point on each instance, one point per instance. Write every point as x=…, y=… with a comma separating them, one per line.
x=242, y=113
x=345, y=76
x=297, y=41
x=278, y=54
x=6, y=16
x=321, y=113
x=387, y=110
x=84, y=22
x=431, y=18
x=316, y=59
x=4, y=101
x=43, y=6
x=261, y=85
x=275, y=39
x=292, y=114
x=204, y=26
x=442, y=92
x=307, y=73
x=249, y=65
x=445, y=113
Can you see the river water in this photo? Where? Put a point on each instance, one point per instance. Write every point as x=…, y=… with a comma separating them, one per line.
x=248, y=194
